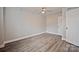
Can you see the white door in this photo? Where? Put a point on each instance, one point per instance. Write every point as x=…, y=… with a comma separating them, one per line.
x=60, y=25
x=72, y=24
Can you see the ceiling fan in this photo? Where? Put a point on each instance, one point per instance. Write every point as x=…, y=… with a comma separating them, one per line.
x=44, y=10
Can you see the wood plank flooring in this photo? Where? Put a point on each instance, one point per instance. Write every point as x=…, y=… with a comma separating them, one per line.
x=41, y=43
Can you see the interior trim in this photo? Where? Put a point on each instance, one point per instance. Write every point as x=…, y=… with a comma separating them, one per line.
x=21, y=38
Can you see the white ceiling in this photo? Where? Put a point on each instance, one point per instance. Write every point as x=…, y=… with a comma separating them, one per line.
x=49, y=10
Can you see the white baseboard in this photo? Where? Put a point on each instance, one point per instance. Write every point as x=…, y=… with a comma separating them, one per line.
x=21, y=38
x=53, y=33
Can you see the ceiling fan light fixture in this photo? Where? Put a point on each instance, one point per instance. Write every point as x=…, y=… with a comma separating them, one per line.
x=43, y=9
x=43, y=12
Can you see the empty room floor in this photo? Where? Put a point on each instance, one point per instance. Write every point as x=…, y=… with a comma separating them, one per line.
x=41, y=43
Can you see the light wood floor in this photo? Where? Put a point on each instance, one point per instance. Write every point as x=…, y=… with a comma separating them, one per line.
x=41, y=43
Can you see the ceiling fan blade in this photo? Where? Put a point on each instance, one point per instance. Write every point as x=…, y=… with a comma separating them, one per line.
x=49, y=10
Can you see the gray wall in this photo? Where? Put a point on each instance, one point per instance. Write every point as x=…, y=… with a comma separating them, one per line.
x=52, y=23
x=1, y=26
x=20, y=22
